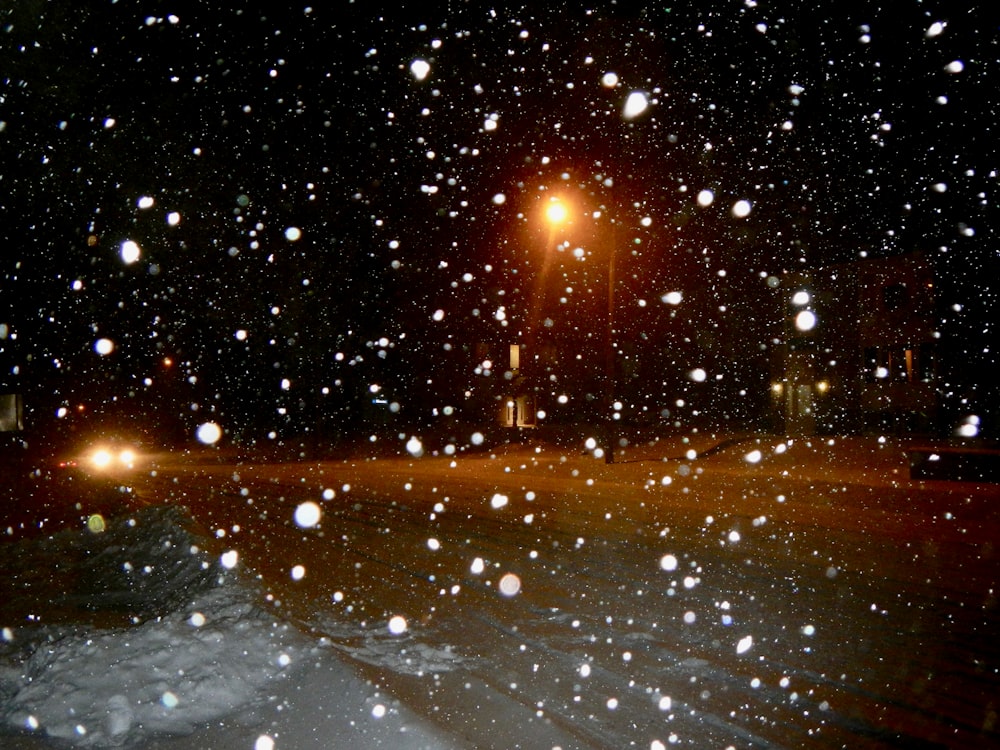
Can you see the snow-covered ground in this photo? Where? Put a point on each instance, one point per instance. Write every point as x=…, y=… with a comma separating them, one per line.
x=137, y=634
x=770, y=594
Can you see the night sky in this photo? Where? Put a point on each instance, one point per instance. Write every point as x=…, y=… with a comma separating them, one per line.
x=317, y=224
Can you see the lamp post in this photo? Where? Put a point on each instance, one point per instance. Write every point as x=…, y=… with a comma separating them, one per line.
x=556, y=213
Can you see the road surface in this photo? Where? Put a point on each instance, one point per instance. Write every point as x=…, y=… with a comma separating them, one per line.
x=772, y=593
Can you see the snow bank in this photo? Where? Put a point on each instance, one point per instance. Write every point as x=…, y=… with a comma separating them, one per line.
x=138, y=634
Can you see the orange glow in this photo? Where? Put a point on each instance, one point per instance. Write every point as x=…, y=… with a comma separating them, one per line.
x=556, y=212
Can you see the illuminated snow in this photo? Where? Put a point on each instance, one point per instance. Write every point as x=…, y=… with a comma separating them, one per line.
x=636, y=103
x=307, y=514
x=805, y=320
x=509, y=585
x=129, y=252
x=420, y=69
x=208, y=433
x=397, y=625
x=415, y=447
x=741, y=209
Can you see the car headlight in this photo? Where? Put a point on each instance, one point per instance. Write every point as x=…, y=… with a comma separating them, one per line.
x=107, y=458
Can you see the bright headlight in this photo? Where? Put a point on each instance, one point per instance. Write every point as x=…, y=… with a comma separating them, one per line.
x=108, y=458
x=101, y=458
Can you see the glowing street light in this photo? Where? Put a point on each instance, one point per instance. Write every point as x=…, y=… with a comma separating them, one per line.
x=556, y=212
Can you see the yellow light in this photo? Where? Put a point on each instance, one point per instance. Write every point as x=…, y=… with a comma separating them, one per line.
x=101, y=458
x=822, y=386
x=556, y=212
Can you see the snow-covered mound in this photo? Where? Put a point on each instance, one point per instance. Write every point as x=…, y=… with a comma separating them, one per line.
x=132, y=632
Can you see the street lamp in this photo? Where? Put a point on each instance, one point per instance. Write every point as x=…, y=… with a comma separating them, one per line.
x=557, y=213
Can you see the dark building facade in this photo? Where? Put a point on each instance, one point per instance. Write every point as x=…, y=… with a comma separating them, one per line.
x=859, y=352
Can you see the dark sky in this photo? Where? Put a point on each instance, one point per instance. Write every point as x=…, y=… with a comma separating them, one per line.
x=852, y=131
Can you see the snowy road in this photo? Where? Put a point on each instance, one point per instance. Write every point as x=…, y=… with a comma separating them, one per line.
x=536, y=597
x=806, y=599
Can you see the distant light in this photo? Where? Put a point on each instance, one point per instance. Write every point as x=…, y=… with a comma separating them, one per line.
x=955, y=66
x=145, y=202
x=556, y=212
x=173, y=218
x=705, y=198
x=104, y=346
x=801, y=298
x=741, y=209
x=101, y=458
x=672, y=298
x=293, y=233
x=609, y=80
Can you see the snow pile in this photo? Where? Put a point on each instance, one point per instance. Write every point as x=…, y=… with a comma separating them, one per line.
x=192, y=645
x=137, y=635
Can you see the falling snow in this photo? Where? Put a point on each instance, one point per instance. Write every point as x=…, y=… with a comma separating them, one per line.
x=535, y=376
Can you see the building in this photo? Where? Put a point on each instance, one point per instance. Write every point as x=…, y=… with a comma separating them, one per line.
x=859, y=349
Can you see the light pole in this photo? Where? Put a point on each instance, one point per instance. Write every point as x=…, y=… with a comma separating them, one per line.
x=557, y=212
